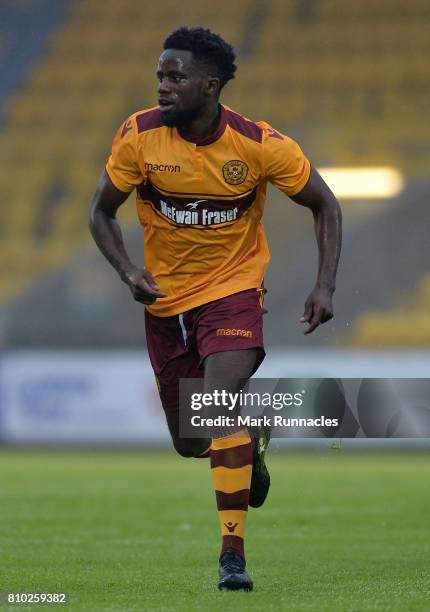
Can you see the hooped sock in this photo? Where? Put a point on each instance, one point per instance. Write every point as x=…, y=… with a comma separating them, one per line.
x=231, y=465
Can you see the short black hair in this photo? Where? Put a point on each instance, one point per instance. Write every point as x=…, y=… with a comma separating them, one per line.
x=207, y=47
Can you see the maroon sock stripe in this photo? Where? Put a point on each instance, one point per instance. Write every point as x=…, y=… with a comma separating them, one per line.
x=223, y=432
x=233, y=543
x=232, y=501
x=235, y=457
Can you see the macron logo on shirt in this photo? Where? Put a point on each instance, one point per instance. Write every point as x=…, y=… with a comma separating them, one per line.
x=162, y=167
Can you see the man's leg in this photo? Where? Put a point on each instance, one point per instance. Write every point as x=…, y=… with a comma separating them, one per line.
x=177, y=349
x=186, y=447
x=174, y=357
x=231, y=464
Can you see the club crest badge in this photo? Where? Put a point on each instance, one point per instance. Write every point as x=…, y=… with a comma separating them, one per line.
x=235, y=172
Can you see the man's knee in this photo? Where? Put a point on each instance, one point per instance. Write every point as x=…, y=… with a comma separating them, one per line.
x=189, y=447
x=183, y=449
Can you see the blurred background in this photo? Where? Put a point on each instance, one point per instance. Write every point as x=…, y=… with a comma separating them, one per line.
x=349, y=81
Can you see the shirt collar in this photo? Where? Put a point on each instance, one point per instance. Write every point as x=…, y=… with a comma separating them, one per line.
x=216, y=134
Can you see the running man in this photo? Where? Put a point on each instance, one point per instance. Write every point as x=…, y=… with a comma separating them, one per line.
x=200, y=172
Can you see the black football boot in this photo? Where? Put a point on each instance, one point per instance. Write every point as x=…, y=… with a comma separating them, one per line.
x=232, y=573
x=260, y=481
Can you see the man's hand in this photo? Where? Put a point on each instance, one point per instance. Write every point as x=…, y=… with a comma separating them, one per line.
x=317, y=196
x=318, y=308
x=108, y=237
x=143, y=286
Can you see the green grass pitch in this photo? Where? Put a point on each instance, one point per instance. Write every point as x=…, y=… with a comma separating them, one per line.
x=128, y=530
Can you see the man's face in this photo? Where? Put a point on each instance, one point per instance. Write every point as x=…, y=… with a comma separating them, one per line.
x=183, y=87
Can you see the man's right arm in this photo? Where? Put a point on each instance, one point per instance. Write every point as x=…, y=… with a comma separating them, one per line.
x=107, y=234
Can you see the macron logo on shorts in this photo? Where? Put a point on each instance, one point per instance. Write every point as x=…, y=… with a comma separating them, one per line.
x=244, y=333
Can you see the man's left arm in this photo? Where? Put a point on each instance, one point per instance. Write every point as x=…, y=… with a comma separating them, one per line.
x=325, y=208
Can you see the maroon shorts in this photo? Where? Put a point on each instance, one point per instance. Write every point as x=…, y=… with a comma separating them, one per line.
x=178, y=345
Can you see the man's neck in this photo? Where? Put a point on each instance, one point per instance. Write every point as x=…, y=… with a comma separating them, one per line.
x=203, y=126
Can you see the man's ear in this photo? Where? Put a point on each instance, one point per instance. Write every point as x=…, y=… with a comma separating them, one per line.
x=213, y=86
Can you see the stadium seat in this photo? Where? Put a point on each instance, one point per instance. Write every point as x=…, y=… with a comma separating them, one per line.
x=394, y=328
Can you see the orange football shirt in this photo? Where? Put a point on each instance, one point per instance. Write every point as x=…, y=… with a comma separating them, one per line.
x=201, y=202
